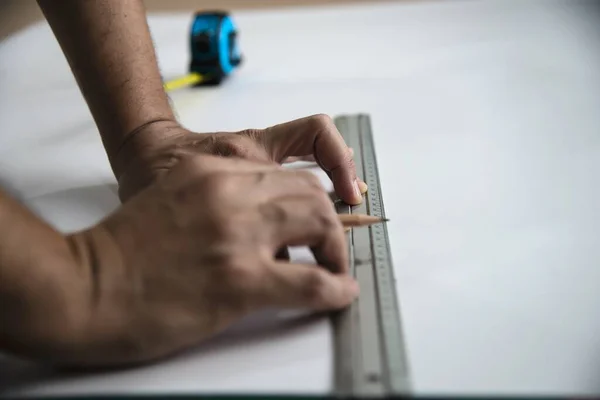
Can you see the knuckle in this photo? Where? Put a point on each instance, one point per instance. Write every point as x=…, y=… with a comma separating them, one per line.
x=321, y=121
x=327, y=220
x=196, y=165
x=322, y=200
x=311, y=179
x=273, y=212
x=323, y=206
x=241, y=275
x=217, y=191
x=239, y=271
x=220, y=186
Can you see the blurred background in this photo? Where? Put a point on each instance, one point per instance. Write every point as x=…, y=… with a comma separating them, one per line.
x=16, y=14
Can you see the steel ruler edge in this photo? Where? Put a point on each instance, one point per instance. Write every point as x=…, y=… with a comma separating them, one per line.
x=370, y=354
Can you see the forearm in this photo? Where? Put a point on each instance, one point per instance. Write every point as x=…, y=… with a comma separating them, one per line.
x=108, y=46
x=42, y=290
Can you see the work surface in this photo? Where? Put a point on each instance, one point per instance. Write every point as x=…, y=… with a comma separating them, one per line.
x=486, y=116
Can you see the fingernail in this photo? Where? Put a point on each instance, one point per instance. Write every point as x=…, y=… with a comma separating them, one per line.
x=357, y=190
x=362, y=187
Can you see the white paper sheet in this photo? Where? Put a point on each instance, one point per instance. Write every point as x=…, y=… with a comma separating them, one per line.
x=487, y=130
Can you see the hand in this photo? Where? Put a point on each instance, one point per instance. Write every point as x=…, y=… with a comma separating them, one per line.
x=155, y=149
x=194, y=252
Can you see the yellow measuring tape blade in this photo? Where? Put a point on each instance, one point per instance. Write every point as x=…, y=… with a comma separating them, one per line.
x=188, y=80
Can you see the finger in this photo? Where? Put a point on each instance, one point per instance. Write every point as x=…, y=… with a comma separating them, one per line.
x=362, y=186
x=307, y=221
x=307, y=286
x=316, y=135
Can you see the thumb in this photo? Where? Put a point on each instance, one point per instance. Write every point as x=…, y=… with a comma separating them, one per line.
x=317, y=136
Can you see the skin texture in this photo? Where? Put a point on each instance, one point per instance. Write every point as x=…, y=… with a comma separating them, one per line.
x=179, y=262
x=108, y=46
x=39, y=284
x=197, y=242
x=314, y=137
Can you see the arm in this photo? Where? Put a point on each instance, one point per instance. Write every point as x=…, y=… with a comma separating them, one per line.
x=108, y=46
x=109, y=49
x=42, y=287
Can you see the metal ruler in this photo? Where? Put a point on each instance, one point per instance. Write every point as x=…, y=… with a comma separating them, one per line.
x=370, y=357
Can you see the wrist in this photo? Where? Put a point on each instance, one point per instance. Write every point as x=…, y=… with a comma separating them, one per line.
x=143, y=140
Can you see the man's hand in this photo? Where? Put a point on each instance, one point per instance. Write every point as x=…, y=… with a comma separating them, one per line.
x=156, y=148
x=108, y=46
x=191, y=254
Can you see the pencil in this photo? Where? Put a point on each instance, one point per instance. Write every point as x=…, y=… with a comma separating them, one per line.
x=355, y=220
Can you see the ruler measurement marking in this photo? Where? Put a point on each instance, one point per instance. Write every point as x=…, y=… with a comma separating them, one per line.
x=373, y=327
x=368, y=377
x=390, y=313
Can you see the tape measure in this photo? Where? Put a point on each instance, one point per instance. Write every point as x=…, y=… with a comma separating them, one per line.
x=370, y=356
x=214, y=50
